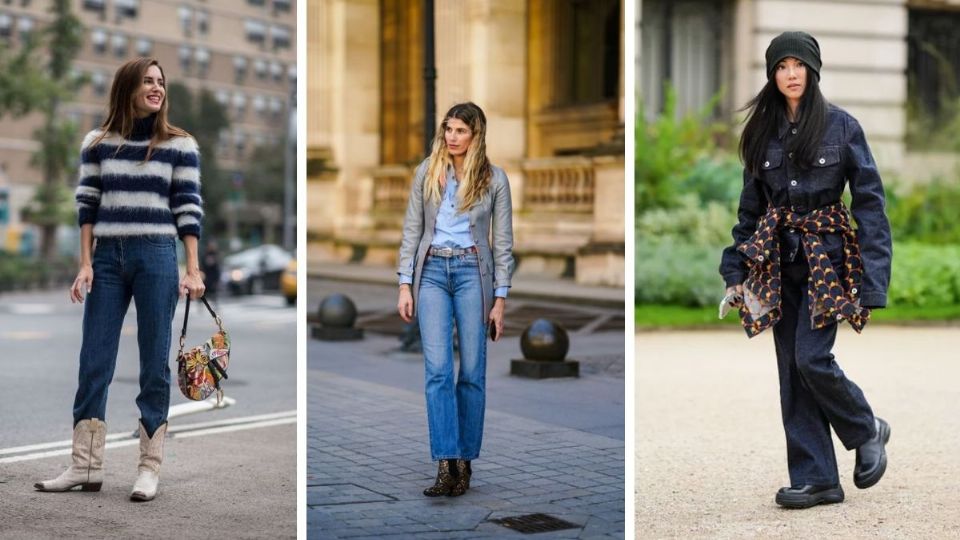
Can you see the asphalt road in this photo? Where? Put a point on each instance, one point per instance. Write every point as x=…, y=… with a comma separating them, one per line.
x=710, y=446
x=40, y=337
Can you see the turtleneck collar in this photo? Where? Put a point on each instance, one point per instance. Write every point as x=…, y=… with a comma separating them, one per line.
x=143, y=128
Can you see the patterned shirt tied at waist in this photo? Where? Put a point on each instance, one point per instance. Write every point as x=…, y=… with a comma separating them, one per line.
x=833, y=293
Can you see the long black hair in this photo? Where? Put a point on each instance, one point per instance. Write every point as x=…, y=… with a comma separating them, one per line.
x=765, y=112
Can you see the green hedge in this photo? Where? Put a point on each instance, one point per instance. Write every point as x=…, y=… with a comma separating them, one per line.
x=671, y=271
x=19, y=273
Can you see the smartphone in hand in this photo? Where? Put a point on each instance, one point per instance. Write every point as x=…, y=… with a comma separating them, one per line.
x=493, y=331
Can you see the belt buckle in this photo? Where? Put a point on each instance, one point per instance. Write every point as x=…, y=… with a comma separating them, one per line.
x=446, y=252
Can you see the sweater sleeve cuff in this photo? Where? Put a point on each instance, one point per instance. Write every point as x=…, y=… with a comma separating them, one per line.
x=733, y=279
x=188, y=230
x=88, y=216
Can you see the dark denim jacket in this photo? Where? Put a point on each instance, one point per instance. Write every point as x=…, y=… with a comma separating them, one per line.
x=844, y=157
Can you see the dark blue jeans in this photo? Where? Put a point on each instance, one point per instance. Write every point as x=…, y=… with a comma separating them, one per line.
x=143, y=268
x=814, y=392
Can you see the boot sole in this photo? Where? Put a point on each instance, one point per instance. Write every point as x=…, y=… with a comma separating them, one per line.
x=140, y=497
x=830, y=496
x=83, y=487
x=875, y=476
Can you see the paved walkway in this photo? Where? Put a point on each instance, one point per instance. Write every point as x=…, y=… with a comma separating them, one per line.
x=710, y=444
x=368, y=462
x=214, y=483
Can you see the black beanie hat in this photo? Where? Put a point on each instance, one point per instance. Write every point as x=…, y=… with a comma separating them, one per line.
x=800, y=45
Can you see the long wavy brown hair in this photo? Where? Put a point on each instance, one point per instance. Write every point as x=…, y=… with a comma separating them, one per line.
x=123, y=114
x=476, y=166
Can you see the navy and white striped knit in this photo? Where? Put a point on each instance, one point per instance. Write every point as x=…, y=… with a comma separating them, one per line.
x=123, y=195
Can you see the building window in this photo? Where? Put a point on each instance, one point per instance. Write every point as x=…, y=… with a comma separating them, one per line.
x=126, y=8
x=240, y=142
x=95, y=5
x=119, y=44
x=202, y=56
x=98, y=81
x=276, y=71
x=186, y=20
x=240, y=68
x=98, y=38
x=25, y=28
x=292, y=73
x=186, y=58
x=144, y=47
x=223, y=98
x=280, y=36
x=933, y=83
x=281, y=5
x=6, y=26
x=256, y=31
x=259, y=104
x=276, y=106
x=258, y=3
x=203, y=22
x=239, y=104
x=260, y=68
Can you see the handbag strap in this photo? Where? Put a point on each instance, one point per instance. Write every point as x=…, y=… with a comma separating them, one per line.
x=186, y=316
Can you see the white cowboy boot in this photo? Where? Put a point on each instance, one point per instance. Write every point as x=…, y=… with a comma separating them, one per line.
x=151, y=455
x=86, y=471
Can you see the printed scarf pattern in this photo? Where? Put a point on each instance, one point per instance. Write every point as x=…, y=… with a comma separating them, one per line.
x=833, y=293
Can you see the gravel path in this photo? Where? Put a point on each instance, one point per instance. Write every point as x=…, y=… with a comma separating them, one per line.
x=711, y=451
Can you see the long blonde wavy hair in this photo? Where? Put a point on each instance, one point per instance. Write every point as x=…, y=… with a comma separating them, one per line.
x=476, y=166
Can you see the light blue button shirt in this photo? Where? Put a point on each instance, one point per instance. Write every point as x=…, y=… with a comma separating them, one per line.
x=453, y=228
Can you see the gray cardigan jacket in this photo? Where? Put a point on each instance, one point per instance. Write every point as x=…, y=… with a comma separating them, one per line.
x=492, y=214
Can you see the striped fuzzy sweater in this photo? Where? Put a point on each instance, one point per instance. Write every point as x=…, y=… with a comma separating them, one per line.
x=123, y=195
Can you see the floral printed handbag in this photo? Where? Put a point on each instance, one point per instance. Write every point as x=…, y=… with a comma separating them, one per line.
x=201, y=368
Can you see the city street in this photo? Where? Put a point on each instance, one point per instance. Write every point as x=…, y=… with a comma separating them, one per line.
x=553, y=446
x=214, y=459
x=710, y=443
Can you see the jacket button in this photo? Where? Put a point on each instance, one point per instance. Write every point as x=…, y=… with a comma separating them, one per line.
x=790, y=155
x=822, y=161
x=794, y=131
x=793, y=182
x=853, y=290
x=760, y=258
x=766, y=163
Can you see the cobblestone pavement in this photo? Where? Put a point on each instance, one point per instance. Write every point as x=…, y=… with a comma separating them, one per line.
x=368, y=461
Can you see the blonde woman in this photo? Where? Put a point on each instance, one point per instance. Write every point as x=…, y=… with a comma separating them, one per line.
x=451, y=273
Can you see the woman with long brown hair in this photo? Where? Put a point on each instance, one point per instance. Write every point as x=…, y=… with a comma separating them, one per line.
x=139, y=190
x=457, y=275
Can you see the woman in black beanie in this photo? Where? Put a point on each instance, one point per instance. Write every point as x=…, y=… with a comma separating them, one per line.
x=798, y=266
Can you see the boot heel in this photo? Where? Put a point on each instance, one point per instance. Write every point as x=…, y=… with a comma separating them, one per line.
x=90, y=487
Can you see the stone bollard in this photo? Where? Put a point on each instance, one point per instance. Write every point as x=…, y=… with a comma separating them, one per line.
x=545, y=345
x=337, y=314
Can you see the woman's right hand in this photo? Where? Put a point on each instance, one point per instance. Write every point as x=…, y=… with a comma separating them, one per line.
x=738, y=290
x=405, y=303
x=82, y=285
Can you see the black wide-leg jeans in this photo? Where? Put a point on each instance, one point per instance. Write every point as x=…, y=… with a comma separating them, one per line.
x=814, y=392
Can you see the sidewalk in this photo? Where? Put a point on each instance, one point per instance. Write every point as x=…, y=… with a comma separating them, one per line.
x=711, y=451
x=525, y=287
x=238, y=484
x=368, y=461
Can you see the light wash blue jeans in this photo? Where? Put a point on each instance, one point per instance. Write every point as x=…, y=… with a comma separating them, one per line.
x=143, y=268
x=450, y=292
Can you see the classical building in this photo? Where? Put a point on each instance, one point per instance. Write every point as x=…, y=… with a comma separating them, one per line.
x=549, y=76
x=883, y=60
x=243, y=51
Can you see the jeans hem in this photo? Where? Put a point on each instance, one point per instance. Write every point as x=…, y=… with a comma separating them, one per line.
x=857, y=443
x=817, y=482
x=444, y=457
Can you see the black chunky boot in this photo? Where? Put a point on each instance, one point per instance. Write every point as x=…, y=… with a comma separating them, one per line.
x=462, y=483
x=444, y=482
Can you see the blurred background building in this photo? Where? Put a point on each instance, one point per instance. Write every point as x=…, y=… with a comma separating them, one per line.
x=242, y=51
x=893, y=64
x=547, y=73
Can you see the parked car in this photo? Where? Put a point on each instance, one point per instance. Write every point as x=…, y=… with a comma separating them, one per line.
x=255, y=270
x=288, y=283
